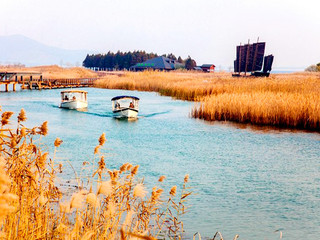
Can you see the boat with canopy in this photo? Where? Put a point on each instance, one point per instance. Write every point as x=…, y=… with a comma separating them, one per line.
x=74, y=99
x=125, y=106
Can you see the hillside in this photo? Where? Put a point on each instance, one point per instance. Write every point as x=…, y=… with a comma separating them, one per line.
x=17, y=49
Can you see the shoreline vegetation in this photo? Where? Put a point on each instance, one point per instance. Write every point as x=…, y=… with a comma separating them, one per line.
x=106, y=204
x=289, y=101
x=282, y=100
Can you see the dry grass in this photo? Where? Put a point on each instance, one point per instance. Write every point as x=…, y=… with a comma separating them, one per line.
x=183, y=85
x=117, y=207
x=294, y=110
x=55, y=71
x=107, y=203
x=290, y=101
x=283, y=100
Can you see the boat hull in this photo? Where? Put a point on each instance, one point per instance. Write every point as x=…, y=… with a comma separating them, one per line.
x=74, y=104
x=125, y=113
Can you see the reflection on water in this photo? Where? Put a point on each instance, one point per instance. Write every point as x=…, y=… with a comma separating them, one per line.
x=248, y=181
x=258, y=128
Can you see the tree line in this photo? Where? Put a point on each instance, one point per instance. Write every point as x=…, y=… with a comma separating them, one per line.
x=124, y=60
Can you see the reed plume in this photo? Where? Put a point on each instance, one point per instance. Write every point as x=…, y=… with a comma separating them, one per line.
x=161, y=178
x=43, y=129
x=33, y=207
x=5, y=118
x=57, y=142
x=139, y=191
x=22, y=116
x=102, y=139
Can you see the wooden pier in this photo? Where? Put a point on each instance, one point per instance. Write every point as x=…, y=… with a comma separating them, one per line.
x=34, y=80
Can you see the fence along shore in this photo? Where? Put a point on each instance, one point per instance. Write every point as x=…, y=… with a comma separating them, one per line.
x=34, y=80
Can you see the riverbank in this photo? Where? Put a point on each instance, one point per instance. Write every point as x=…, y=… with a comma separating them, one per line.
x=282, y=100
x=54, y=71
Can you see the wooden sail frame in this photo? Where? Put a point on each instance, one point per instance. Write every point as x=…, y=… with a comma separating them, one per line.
x=250, y=58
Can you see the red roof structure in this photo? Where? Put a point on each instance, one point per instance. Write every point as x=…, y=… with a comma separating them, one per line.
x=208, y=67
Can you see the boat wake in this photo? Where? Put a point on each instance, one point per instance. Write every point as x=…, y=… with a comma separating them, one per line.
x=100, y=114
x=153, y=114
x=109, y=114
x=85, y=111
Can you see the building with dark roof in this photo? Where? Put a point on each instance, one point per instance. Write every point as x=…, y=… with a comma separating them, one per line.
x=207, y=67
x=158, y=63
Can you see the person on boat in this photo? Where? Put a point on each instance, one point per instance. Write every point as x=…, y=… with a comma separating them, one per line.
x=117, y=105
x=131, y=105
x=66, y=98
x=74, y=98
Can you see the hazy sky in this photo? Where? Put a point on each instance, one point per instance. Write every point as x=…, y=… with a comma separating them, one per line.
x=207, y=30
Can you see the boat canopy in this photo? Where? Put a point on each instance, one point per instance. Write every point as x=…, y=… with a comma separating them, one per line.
x=122, y=103
x=73, y=91
x=124, y=96
x=68, y=95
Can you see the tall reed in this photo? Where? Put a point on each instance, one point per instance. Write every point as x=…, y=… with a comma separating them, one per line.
x=112, y=204
x=263, y=108
x=283, y=100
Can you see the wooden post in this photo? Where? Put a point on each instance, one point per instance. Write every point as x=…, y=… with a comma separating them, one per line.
x=239, y=59
x=14, y=87
x=22, y=80
x=7, y=87
x=40, y=83
x=30, y=83
x=248, y=51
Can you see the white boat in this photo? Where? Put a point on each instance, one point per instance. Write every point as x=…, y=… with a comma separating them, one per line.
x=125, y=106
x=74, y=99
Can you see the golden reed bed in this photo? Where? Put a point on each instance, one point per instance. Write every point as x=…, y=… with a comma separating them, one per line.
x=108, y=204
x=105, y=204
x=282, y=100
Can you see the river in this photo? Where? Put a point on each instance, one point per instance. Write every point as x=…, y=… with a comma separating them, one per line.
x=246, y=181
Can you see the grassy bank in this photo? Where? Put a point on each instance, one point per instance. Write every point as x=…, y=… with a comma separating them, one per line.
x=282, y=100
x=54, y=71
x=181, y=85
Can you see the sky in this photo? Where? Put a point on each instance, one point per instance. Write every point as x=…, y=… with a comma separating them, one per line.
x=207, y=30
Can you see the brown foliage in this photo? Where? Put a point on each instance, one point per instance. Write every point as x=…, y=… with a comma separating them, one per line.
x=283, y=100
x=33, y=207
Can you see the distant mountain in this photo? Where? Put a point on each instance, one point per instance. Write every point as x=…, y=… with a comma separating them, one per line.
x=18, y=49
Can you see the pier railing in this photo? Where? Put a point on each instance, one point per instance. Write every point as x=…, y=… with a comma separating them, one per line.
x=31, y=82
x=63, y=83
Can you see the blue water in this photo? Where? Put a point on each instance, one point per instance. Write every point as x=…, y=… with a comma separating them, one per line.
x=247, y=182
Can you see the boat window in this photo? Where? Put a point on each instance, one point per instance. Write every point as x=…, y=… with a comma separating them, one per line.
x=66, y=96
x=125, y=103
